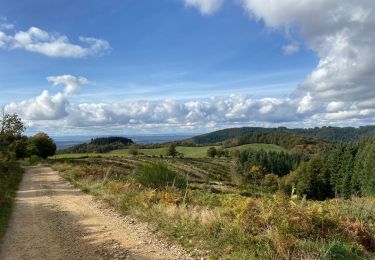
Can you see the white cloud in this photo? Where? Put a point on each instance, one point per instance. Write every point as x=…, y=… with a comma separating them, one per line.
x=306, y=104
x=46, y=106
x=340, y=32
x=235, y=109
x=291, y=48
x=70, y=82
x=4, y=24
x=206, y=7
x=340, y=90
x=52, y=44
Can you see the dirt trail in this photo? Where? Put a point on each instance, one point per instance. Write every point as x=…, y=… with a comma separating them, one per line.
x=52, y=220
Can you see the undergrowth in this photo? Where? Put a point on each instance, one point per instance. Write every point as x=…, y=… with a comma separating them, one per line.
x=10, y=177
x=231, y=226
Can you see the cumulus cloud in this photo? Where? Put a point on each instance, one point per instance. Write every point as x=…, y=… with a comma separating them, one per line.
x=52, y=44
x=340, y=90
x=340, y=32
x=47, y=106
x=4, y=24
x=206, y=7
x=234, y=109
x=71, y=84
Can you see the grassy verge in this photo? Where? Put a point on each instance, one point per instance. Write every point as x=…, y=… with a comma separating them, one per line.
x=230, y=226
x=10, y=177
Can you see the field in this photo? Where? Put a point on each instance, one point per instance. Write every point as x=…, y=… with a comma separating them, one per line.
x=225, y=220
x=188, y=152
x=207, y=204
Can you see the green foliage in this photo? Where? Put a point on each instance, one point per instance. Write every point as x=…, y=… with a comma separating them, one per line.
x=133, y=150
x=34, y=159
x=272, y=162
x=337, y=250
x=211, y=152
x=271, y=182
x=158, y=175
x=41, y=145
x=313, y=179
x=100, y=145
x=364, y=174
x=171, y=150
x=111, y=140
x=11, y=125
x=331, y=134
x=10, y=177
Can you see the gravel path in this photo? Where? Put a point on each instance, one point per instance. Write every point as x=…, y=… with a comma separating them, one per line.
x=52, y=220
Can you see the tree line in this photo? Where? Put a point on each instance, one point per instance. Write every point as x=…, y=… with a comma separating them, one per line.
x=100, y=145
x=326, y=133
x=14, y=146
x=344, y=170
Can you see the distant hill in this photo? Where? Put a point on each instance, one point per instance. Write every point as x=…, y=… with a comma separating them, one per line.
x=100, y=145
x=330, y=134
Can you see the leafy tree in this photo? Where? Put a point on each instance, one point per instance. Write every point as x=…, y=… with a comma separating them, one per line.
x=313, y=179
x=171, y=150
x=133, y=150
x=11, y=125
x=12, y=143
x=211, y=152
x=41, y=145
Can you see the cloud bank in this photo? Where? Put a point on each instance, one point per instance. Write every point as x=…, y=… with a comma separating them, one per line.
x=50, y=44
x=340, y=90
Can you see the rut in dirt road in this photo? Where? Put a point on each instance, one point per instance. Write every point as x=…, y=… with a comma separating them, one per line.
x=52, y=220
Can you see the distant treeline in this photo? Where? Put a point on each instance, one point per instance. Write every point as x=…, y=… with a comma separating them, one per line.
x=295, y=143
x=100, y=145
x=330, y=134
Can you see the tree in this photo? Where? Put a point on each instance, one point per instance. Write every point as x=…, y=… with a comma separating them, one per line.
x=11, y=125
x=211, y=152
x=133, y=150
x=314, y=179
x=12, y=143
x=171, y=150
x=41, y=145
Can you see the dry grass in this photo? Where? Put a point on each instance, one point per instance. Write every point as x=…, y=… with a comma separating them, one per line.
x=236, y=227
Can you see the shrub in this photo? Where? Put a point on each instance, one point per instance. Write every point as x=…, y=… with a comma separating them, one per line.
x=42, y=145
x=271, y=182
x=33, y=159
x=211, y=152
x=158, y=175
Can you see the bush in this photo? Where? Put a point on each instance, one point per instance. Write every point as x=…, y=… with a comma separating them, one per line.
x=211, y=152
x=158, y=175
x=271, y=182
x=42, y=145
x=33, y=159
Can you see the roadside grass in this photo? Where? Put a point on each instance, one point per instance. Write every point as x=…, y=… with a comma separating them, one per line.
x=188, y=152
x=10, y=177
x=231, y=226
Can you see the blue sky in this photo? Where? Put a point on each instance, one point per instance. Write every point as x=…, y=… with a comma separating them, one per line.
x=153, y=51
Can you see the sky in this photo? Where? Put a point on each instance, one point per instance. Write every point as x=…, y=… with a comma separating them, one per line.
x=90, y=67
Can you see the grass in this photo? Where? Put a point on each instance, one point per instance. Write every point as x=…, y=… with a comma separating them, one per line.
x=188, y=152
x=231, y=226
x=10, y=177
